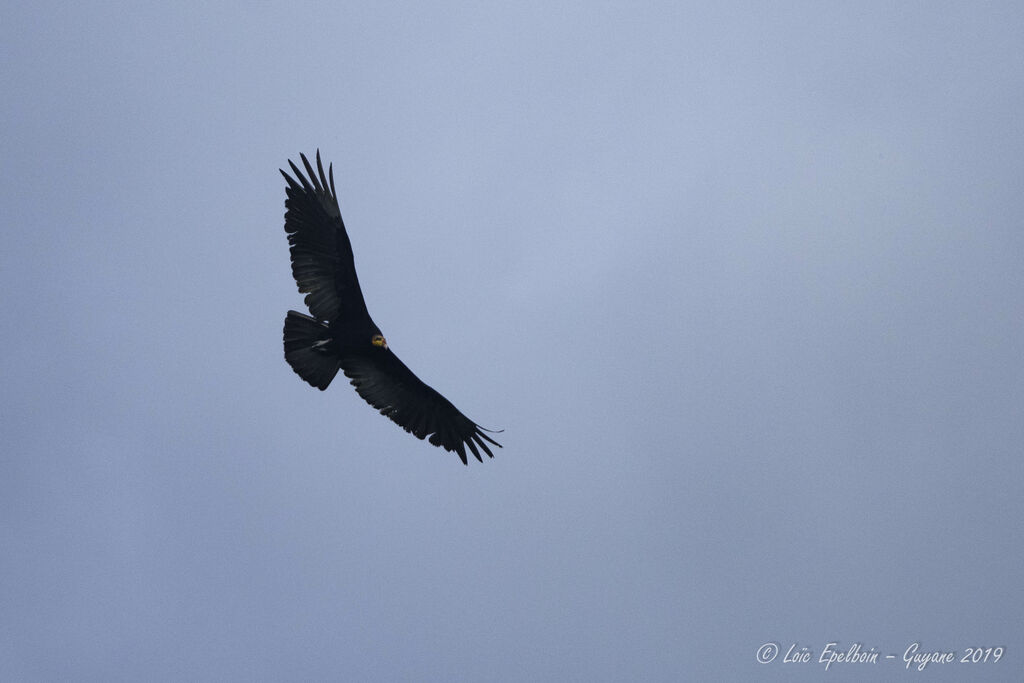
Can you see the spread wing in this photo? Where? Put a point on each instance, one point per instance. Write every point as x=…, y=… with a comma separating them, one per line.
x=389, y=386
x=321, y=253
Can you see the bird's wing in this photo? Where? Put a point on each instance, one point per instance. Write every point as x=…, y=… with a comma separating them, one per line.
x=389, y=386
x=322, y=262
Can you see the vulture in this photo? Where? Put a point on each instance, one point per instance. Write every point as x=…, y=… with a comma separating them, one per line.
x=339, y=334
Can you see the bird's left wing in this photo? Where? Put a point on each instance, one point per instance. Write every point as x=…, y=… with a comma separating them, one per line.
x=386, y=383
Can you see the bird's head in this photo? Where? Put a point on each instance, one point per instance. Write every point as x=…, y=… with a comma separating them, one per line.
x=379, y=340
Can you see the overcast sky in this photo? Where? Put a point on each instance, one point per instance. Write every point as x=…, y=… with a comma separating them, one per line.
x=742, y=285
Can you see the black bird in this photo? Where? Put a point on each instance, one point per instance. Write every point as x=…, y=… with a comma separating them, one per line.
x=340, y=333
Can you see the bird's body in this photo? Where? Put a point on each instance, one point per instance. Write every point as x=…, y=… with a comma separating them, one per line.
x=340, y=334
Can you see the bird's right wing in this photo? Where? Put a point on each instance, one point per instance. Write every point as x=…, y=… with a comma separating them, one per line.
x=321, y=253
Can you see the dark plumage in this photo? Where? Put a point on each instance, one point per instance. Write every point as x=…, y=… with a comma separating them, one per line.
x=340, y=333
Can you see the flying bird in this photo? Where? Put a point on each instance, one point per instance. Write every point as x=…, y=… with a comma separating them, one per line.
x=339, y=333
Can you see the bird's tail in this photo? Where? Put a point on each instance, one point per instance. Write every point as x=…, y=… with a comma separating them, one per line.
x=306, y=349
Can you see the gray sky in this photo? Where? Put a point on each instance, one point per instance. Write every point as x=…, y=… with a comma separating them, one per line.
x=743, y=286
